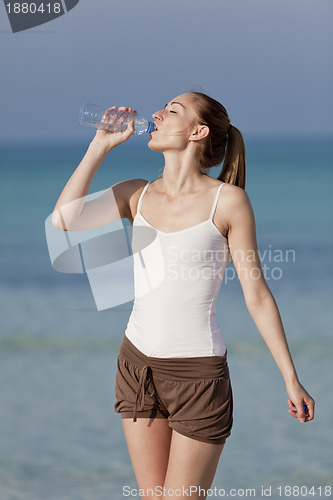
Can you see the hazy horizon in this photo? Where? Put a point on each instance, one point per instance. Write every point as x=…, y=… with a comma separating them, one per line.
x=270, y=64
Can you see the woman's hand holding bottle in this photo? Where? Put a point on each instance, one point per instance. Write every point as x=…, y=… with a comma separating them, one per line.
x=107, y=139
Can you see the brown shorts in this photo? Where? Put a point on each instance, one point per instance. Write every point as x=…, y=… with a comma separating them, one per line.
x=194, y=393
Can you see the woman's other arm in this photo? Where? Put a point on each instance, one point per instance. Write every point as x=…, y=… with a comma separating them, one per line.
x=259, y=300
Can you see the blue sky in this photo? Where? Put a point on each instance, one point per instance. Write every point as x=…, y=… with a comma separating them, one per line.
x=269, y=62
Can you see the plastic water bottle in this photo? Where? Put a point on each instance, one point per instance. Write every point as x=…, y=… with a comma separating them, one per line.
x=92, y=115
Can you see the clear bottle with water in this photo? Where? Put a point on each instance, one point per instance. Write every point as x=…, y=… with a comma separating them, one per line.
x=93, y=115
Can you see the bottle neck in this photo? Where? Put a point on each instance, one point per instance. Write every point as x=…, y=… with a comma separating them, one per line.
x=151, y=127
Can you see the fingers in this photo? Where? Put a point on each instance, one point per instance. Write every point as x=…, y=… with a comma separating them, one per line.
x=108, y=113
x=310, y=407
x=115, y=112
x=292, y=409
x=114, y=118
x=303, y=412
x=309, y=410
x=130, y=126
x=122, y=117
x=128, y=131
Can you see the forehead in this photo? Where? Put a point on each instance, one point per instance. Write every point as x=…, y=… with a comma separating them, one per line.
x=183, y=98
x=186, y=100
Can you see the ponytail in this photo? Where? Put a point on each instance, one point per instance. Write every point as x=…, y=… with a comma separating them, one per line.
x=234, y=164
x=224, y=143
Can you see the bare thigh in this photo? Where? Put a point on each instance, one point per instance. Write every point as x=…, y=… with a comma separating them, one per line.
x=162, y=457
x=148, y=441
x=192, y=464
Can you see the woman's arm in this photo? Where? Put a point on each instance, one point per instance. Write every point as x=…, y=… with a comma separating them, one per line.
x=72, y=212
x=258, y=297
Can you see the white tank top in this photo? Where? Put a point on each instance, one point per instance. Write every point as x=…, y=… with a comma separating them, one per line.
x=177, y=278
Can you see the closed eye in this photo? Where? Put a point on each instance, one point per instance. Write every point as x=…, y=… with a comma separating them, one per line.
x=173, y=112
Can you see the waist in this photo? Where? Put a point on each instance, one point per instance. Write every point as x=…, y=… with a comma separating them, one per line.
x=187, y=368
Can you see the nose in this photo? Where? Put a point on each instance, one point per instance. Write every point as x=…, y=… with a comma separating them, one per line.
x=157, y=115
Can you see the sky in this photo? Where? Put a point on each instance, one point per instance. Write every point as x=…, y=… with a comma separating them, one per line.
x=268, y=62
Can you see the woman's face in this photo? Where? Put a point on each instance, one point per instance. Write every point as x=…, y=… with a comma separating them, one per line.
x=174, y=124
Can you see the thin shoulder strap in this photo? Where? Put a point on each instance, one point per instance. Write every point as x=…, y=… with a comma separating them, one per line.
x=215, y=201
x=142, y=195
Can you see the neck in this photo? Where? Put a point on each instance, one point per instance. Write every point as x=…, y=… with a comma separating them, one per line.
x=181, y=173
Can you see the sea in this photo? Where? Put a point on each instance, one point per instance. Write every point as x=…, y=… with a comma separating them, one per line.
x=60, y=438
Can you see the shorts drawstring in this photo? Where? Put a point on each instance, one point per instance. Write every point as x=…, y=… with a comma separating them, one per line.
x=145, y=377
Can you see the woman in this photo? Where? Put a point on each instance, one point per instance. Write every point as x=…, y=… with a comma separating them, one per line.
x=172, y=385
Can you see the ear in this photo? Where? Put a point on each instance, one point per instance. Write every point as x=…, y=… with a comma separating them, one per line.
x=201, y=132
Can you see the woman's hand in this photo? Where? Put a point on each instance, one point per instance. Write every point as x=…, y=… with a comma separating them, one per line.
x=301, y=405
x=107, y=139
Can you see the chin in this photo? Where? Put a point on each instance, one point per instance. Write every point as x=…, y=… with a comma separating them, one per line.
x=152, y=146
x=162, y=144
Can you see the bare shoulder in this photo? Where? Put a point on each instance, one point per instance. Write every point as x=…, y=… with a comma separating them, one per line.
x=234, y=206
x=234, y=196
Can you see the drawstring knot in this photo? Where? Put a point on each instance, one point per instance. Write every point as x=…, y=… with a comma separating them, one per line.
x=145, y=378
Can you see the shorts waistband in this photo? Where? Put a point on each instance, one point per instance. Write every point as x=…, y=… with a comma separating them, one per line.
x=190, y=368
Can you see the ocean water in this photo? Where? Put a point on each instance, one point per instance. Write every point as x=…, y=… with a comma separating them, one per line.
x=60, y=437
